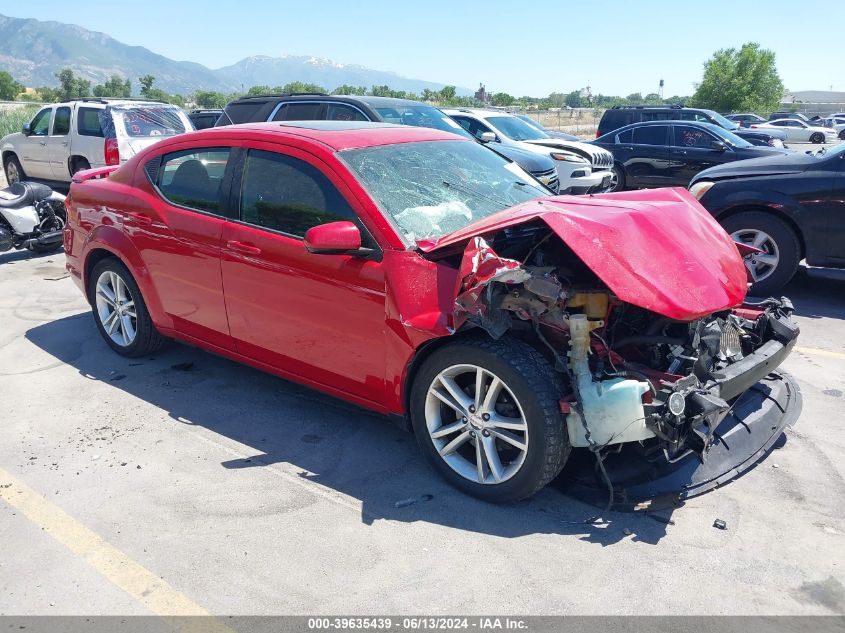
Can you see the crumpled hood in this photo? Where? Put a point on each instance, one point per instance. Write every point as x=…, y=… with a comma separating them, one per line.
x=777, y=164
x=658, y=249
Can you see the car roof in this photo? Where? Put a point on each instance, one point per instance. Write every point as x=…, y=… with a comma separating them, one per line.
x=339, y=135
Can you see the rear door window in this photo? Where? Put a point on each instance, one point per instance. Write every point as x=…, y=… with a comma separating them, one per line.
x=61, y=122
x=625, y=137
x=343, y=112
x=88, y=122
x=308, y=111
x=193, y=178
x=651, y=135
x=288, y=195
x=659, y=115
x=687, y=136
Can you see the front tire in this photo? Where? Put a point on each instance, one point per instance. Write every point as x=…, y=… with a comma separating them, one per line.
x=120, y=312
x=772, y=269
x=486, y=415
x=14, y=171
x=617, y=181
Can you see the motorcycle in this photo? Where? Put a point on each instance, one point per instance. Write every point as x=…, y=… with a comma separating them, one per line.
x=32, y=216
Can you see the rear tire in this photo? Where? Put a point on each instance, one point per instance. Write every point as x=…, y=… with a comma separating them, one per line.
x=120, y=312
x=779, y=241
x=617, y=182
x=13, y=169
x=817, y=137
x=520, y=403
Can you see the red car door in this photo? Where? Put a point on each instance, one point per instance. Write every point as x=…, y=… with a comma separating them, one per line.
x=178, y=237
x=318, y=317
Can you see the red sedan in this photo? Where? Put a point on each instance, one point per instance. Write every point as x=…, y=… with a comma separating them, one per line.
x=417, y=274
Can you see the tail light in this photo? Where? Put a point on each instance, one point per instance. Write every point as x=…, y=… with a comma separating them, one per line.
x=111, y=152
x=597, y=133
x=753, y=126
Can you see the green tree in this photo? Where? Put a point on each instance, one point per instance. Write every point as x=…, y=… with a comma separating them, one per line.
x=211, y=99
x=502, y=99
x=346, y=89
x=301, y=86
x=447, y=94
x=635, y=98
x=146, y=82
x=740, y=80
x=71, y=86
x=573, y=99
x=114, y=87
x=9, y=88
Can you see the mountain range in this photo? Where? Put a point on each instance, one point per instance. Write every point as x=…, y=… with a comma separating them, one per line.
x=32, y=51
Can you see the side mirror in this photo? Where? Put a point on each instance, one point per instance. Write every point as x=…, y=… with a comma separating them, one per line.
x=487, y=137
x=335, y=238
x=719, y=146
x=26, y=130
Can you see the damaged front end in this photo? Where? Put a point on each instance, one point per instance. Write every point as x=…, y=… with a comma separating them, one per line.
x=630, y=374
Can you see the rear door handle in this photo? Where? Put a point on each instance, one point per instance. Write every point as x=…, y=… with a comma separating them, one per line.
x=42, y=143
x=65, y=143
x=140, y=218
x=241, y=247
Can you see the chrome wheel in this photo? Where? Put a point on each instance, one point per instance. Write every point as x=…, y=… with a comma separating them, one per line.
x=476, y=424
x=12, y=173
x=759, y=265
x=116, y=308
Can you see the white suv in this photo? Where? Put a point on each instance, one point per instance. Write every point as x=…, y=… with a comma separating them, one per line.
x=581, y=167
x=64, y=138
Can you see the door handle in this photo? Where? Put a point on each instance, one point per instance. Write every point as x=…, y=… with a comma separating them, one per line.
x=241, y=247
x=65, y=143
x=140, y=218
x=42, y=143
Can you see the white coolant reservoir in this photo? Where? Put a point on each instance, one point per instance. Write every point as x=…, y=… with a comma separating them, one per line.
x=613, y=409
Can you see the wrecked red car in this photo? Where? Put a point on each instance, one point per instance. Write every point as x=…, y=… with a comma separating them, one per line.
x=419, y=275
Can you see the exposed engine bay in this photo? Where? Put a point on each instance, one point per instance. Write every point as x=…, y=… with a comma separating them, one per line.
x=629, y=374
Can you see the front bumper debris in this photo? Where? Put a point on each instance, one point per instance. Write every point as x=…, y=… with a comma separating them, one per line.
x=744, y=437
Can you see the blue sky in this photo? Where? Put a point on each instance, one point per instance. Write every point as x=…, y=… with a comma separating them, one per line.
x=524, y=48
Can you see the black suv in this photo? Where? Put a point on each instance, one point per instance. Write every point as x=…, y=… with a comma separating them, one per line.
x=203, y=119
x=323, y=107
x=619, y=116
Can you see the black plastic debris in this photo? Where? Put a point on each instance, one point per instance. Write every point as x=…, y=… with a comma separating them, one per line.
x=720, y=524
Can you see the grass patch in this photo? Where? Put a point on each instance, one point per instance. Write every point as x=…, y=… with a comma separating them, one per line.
x=11, y=119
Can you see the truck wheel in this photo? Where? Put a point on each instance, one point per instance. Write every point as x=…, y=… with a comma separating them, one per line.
x=772, y=269
x=120, y=312
x=14, y=171
x=487, y=416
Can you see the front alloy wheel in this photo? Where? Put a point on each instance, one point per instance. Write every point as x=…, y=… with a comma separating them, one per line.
x=476, y=424
x=759, y=265
x=486, y=414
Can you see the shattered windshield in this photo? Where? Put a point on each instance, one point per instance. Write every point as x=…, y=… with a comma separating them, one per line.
x=437, y=187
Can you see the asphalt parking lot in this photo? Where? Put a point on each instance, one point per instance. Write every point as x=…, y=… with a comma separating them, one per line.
x=185, y=483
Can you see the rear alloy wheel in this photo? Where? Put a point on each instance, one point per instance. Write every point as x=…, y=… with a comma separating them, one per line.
x=486, y=414
x=120, y=312
x=14, y=171
x=817, y=137
x=617, y=179
x=772, y=269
